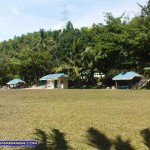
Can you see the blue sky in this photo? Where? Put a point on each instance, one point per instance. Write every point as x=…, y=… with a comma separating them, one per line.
x=19, y=17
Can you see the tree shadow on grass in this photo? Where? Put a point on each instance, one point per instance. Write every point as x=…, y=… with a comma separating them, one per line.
x=146, y=136
x=100, y=141
x=122, y=145
x=54, y=141
x=43, y=143
x=58, y=140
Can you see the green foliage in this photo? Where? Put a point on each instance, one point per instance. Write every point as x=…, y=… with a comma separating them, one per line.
x=120, y=44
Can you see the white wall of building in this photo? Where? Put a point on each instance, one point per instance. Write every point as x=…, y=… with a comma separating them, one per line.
x=61, y=83
x=50, y=84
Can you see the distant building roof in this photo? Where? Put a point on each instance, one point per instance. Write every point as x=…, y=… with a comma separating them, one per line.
x=126, y=76
x=53, y=76
x=15, y=81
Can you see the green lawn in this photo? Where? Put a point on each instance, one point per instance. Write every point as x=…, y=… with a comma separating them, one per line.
x=77, y=119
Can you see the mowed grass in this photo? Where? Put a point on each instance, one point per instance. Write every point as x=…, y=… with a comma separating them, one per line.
x=77, y=119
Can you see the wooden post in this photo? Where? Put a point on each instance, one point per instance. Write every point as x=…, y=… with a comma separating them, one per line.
x=116, y=84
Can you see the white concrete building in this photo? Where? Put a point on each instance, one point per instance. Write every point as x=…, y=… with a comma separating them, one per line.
x=58, y=80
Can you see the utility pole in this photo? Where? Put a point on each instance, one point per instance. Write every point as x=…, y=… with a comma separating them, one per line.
x=65, y=16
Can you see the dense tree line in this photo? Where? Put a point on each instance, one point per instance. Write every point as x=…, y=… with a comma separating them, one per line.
x=119, y=44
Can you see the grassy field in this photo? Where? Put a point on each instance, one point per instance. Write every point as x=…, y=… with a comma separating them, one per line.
x=77, y=119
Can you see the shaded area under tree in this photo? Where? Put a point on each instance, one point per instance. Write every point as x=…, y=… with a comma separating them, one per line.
x=100, y=141
x=53, y=141
x=146, y=137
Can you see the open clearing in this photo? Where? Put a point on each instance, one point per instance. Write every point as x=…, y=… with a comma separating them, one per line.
x=77, y=119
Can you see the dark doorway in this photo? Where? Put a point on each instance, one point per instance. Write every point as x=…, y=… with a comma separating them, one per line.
x=55, y=84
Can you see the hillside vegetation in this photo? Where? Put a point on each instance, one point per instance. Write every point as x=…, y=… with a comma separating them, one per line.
x=119, y=44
